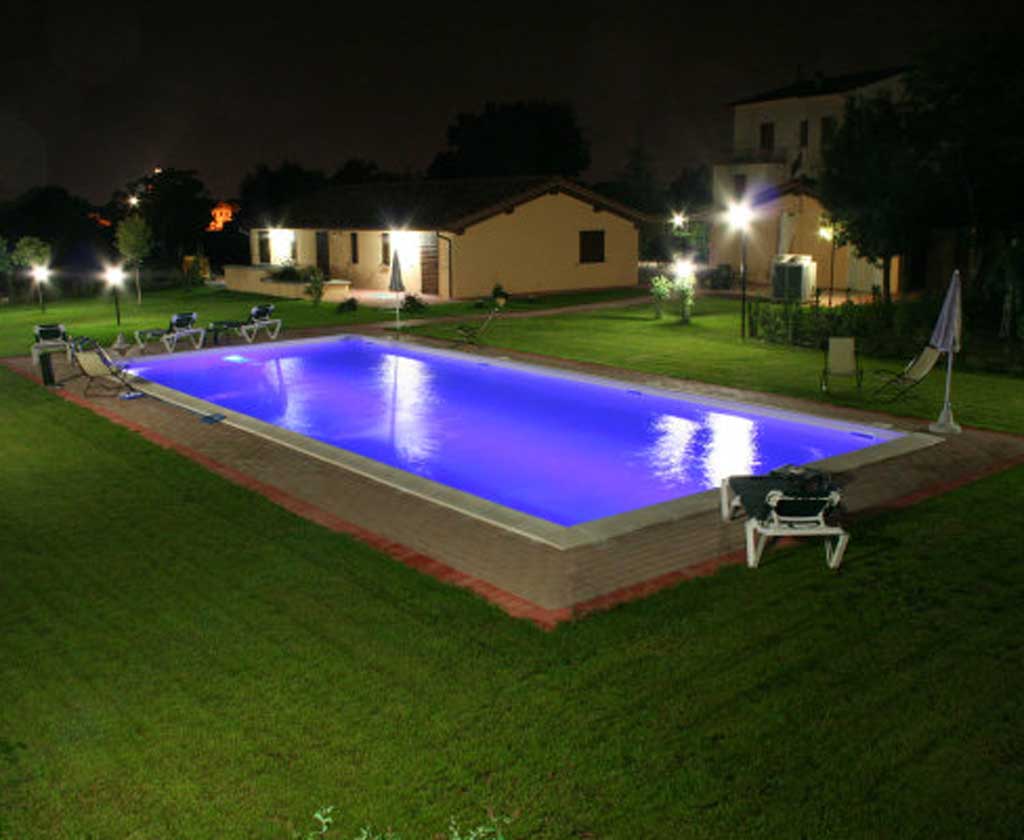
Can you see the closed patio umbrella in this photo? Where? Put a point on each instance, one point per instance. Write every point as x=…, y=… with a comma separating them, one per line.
x=946, y=337
x=397, y=287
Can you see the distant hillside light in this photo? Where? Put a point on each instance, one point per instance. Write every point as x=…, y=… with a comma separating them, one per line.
x=678, y=220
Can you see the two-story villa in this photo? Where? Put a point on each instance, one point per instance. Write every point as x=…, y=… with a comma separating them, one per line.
x=775, y=159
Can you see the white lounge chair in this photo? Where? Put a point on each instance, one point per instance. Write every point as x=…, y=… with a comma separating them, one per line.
x=50, y=338
x=896, y=385
x=841, y=360
x=796, y=516
x=259, y=319
x=183, y=325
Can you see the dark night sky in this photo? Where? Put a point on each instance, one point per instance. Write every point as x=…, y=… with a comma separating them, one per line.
x=95, y=95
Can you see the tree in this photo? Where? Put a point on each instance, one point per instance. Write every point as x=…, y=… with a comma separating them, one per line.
x=176, y=207
x=967, y=100
x=872, y=181
x=54, y=215
x=360, y=171
x=5, y=269
x=31, y=251
x=691, y=189
x=264, y=193
x=517, y=138
x=134, y=241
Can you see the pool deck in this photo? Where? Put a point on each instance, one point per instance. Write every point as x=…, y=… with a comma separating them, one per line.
x=525, y=577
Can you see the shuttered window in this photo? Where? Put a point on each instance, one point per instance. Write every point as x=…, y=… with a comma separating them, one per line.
x=591, y=246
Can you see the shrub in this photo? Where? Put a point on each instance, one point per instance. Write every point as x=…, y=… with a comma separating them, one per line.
x=661, y=291
x=314, y=284
x=413, y=304
x=347, y=305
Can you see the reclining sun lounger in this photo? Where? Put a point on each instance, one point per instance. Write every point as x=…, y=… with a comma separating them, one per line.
x=183, y=325
x=841, y=360
x=100, y=369
x=895, y=385
x=789, y=502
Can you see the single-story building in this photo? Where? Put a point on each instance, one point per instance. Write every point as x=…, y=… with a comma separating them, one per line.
x=456, y=238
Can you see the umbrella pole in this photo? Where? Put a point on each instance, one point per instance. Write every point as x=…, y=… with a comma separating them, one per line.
x=946, y=425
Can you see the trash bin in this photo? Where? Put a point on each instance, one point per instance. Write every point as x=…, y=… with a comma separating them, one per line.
x=46, y=368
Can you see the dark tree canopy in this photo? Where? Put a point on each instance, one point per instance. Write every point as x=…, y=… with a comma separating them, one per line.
x=360, y=171
x=872, y=181
x=265, y=192
x=176, y=205
x=517, y=138
x=691, y=189
x=57, y=217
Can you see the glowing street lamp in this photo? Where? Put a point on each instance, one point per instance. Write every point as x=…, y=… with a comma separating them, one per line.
x=678, y=220
x=828, y=233
x=114, y=275
x=41, y=274
x=133, y=201
x=739, y=216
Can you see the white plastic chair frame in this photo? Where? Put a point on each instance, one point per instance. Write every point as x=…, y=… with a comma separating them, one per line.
x=775, y=524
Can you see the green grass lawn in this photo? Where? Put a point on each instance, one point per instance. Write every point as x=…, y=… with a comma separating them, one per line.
x=182, y=659
x=94, y=317
x=709, y=349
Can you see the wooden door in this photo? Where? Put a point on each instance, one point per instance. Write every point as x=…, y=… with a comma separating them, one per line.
x=429, y=264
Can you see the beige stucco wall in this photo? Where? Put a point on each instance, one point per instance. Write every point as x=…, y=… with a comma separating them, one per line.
x=251, y=280
x=536, y=248
x=369, y=273
x=770, y=234
x=786, y=115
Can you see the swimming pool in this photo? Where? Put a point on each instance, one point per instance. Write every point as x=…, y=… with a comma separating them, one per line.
x=555, y=447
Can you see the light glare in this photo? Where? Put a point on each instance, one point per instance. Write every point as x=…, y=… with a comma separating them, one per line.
x=40, y=273
x=114, y=275
x=739, y=215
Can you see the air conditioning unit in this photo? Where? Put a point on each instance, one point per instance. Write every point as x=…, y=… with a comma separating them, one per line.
x=794, y=277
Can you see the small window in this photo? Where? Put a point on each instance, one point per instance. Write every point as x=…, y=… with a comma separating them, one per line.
x=805, y=132
x=263, y=246
x=828, y=128
x=739, y=186
x=767, y=136
x=385, y=248
x=591, y=246
x=353, y=243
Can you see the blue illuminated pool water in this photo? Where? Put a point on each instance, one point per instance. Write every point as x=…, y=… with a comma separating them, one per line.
x=565, y=450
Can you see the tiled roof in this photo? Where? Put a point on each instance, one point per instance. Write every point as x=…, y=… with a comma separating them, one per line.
x=823, y=85
x=439, y=204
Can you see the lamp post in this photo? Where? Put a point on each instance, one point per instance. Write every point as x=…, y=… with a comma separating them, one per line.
x=41, y=274
x=738, y=216
x=828, y=233
x=115, y=277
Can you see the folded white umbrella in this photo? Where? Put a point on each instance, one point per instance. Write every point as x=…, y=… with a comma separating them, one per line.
x=397, y=287
x=946, y=337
